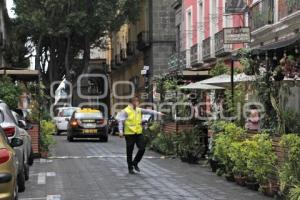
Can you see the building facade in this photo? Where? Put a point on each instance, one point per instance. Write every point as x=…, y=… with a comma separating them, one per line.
x=203, y=23
x=148, y=42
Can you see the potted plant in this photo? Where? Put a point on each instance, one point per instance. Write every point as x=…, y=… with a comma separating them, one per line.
x=238, y=155
x=261, y=161
x=223, y=143
x=289, y=173
x=46, y=137
x=190, y=146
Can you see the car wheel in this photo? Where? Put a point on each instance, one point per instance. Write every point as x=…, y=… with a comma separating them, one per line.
x=58, y=132
x=26, y=172
x=15, y=196
x=21, y=182
x=70, y=138
x=31, y=158
x=103, y=138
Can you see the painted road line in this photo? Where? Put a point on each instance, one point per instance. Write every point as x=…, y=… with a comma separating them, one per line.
x=51, y=174
x=53, y=197
x=42, y=160
x=39, y=198
x=105, y=156
x=41, y=179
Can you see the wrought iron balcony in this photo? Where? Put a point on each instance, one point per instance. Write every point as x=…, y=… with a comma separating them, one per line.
x=206, y=49
x=261, y=14
x=221, y=49
x=287, y=7
x=194, y=54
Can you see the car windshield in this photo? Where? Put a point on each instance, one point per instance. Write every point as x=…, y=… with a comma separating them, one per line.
x=68, y=112
x=88, y=115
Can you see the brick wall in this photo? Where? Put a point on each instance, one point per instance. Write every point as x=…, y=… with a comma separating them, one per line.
x=35, y=138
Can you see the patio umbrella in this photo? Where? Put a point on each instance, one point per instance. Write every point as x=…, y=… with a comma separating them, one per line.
x=225, y=79
x=200, y=86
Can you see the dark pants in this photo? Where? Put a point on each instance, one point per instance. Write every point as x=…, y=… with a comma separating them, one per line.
x=131, y=140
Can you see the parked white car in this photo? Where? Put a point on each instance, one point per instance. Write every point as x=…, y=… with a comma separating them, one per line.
x=62, y=118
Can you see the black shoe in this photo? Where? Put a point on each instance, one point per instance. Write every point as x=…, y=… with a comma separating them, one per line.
x=130, y=171
x=136, y=168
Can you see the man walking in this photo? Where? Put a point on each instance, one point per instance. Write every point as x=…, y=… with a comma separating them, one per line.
x=130, y=126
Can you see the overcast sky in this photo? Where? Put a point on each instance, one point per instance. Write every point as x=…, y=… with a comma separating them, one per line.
x=9, y=5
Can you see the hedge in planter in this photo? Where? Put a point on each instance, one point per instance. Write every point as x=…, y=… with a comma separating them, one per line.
x=290, y=171
x=223, y=143
x=47, y=130
x=190, y=146
x=164, y=144
x=261, y=160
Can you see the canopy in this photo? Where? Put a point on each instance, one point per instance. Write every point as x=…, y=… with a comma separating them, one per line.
x=225, y=78
x=200, y=86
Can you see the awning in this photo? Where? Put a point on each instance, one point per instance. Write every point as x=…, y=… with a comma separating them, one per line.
x=24, y=74
x=277, y=45
x=225, y=78
x=201, y=86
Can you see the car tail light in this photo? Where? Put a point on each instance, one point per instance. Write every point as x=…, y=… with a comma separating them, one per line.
x=4, y=156
x=9, y=131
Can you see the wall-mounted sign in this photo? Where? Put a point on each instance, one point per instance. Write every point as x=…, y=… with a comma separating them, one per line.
x=237, y=35
x=235, y=6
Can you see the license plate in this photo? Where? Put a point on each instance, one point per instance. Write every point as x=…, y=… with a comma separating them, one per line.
x=90, y=125
x=90, y=131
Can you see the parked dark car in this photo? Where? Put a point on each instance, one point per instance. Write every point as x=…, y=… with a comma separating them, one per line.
x=87, y=123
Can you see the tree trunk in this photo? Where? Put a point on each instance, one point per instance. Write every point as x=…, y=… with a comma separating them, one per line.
x=86, y=55
x=38, y=53
x=67, y=63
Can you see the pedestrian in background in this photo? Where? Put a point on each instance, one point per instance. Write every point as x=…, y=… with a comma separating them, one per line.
x=130, y=126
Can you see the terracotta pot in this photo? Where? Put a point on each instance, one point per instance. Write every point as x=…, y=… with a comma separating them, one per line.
x=240, y=180
x=44, y=154
x=270, y=189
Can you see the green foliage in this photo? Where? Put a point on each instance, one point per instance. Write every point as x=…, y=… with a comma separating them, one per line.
x=9, y=92
x=61, y=29
x=47, y=130
x=235, y=103
x=189, y=145
x=238, y=154
x=16, y=54
x=295, y=193
x=291, y=119
x=219, y=69
x=223, y=143
x=164, y=143
x=218, y=126
x=261, y=158
x=290, y=171
x=151, y=133
x=250, y=67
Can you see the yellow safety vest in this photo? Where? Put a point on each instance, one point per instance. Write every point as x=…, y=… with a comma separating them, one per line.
x=133, y=123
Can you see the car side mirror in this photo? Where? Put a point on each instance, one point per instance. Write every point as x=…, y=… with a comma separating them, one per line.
x=22, y=124
x=16, y=142
x=29, y=126
x=67, y=119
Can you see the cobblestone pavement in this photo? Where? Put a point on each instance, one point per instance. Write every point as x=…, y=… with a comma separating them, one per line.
x=89, y=170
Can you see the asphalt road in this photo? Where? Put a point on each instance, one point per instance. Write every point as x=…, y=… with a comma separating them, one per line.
x=89, y=170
